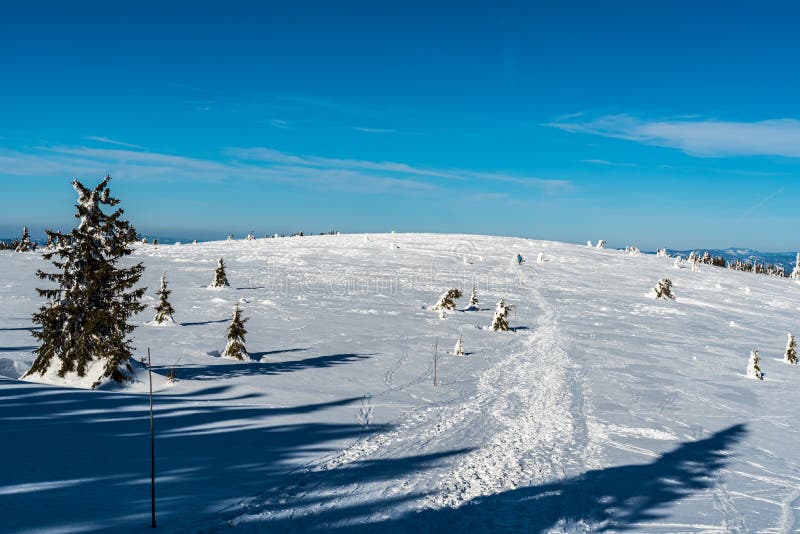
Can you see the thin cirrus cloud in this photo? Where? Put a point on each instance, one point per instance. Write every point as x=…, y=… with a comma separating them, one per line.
x=697, y=137
x=101, y=139
x=262, y=164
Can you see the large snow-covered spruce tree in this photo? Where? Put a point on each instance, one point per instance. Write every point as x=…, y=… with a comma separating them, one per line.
x=235, y=348
x=84, y=336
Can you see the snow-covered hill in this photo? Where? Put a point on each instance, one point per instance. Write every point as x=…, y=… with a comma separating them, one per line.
x=603, y=410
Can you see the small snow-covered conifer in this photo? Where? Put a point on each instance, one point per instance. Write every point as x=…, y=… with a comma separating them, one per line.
x=447, y=300
x=144, y=241
x=790, y=356
x=796, y=271
x=663, y=289
x=250, y=237
x=601, y=244
x=500, y=319
x=541, y=258
x=678, y=263
x=473, y=300
x=230, y=237
x=695, y=266
x=24, y=244
x=753, y=370
x=220, y=278
x=589, y=244
x=459, y=349
x=235, y=349
x=164, y=309
x=662, y=253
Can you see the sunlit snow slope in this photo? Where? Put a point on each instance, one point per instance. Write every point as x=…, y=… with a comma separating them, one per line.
x=603, y=410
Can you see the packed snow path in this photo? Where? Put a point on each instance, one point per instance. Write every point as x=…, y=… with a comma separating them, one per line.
x=517, y=430
x=603, y=410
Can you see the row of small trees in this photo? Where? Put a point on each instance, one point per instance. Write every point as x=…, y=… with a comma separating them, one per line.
x=447, y=302
x=235, y=348
x=23, y=244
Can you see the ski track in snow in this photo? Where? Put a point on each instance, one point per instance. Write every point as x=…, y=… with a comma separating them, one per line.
x=527, y=395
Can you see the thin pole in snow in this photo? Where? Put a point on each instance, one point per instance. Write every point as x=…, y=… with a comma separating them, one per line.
x=152, y=447
x=435, y=359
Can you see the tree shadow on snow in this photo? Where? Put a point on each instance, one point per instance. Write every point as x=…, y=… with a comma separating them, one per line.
x=256, y=368
x=258, y=355
x=87, y=454
x=23, y=348
x=613, y=499
x=201, y=323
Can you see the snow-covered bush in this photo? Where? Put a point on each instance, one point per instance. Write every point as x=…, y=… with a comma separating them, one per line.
x=541, y=258
x=250, y=237
x=601, y=244
x=753, y=370
x=663, y=289
x=458, y=350
x=220, y=278
x=230, y=237
x=633, y=250
x=164, y=309
x=447, y=300
x=678, y=264
x=500, y=319
x=235, y=349
x=662, y=253
x=790, y=356
x=589, y=244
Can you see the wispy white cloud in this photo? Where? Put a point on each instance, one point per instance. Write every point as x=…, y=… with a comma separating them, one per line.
x=608, y=163
x=263, y=164
x=373, y=130
x=101, y=139
x=275, y=156
x=698, y=137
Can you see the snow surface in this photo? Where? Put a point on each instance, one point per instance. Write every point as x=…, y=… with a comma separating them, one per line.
x=602, y=409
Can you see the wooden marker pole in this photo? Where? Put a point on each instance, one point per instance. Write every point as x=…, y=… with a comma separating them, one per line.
x=152, y=447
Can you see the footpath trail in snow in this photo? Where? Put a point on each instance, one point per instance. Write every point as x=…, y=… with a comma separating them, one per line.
x=604, y=411
x=515, y=431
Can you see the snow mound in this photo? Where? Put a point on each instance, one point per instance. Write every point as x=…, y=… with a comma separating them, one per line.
x=136, y=373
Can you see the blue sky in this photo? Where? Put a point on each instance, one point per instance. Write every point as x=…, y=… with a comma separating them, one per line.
x=657, y=125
